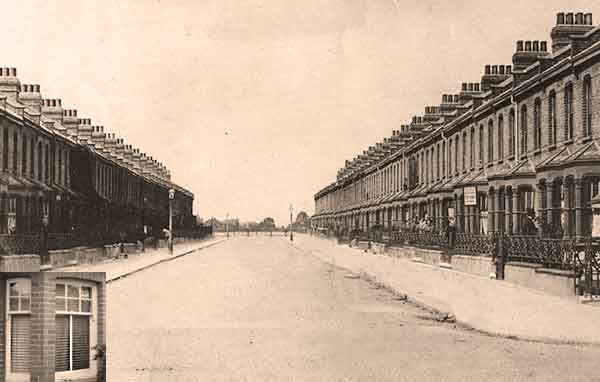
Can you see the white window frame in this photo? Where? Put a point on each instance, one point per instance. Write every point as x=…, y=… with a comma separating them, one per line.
x=92, y=371
x=10, y=376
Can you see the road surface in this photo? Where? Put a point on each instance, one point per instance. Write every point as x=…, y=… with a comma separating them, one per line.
x=256, y=309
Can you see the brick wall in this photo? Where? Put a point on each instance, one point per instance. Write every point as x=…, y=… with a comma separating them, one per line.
x=43, y=323
x=43, y=320
x=19, y=263
x=2, y=326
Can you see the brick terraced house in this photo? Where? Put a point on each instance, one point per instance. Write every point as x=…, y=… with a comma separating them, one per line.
x=61, y=174
x=523, y=141
x=52, y=327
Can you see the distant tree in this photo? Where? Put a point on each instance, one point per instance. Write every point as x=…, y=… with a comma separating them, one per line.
x=268, y=224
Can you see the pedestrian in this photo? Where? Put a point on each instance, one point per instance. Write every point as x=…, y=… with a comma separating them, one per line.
x=451, y=231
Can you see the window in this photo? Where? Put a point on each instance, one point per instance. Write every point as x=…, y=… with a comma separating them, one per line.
x=480, y=145
x=32, y=157
x=15, y=153
x=39, y=160
x=511, y=132
x=472, y=149
x=523, y=130
x=537, y=124
x=456, y=155
x=19, y=322
x=569, y=117
x=450, y=157
x=587, y=106
x=437, y=162
x=60, y=173
x=47, y=164
x=444, y=158
x=74, y=337
x=464, y=150
x=24, y=154
x=490, y=141
x=5, y=149
x=500, y=137
x=552, y=118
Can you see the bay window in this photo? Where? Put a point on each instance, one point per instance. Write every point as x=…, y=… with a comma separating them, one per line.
x=74, y=322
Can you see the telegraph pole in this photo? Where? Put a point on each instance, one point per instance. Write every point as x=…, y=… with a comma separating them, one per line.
x=291, y=223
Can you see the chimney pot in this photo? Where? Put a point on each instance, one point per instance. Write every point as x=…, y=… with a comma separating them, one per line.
x=579, y=18
x=60, y=103
x=464, y=87
x=528, y=46
x=470, y=87
x=543, y=46
x=569, y=18
x=519, y=46
x=456, y=98
x=487, y=69
x=13, y=72
x=476, y=87
x=560, y=18
x=535, y=46
x=495, y=69
x=588, y=18
x=508, y=69
x=501, y=69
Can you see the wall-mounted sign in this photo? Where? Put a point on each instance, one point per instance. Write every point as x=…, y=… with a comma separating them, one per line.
x=470, y=194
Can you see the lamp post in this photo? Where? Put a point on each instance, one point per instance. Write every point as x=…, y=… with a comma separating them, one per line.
x=171, y=197
x=227, y=224
x=291, y=224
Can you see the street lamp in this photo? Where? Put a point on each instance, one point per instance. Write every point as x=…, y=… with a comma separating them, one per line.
x=291, y=224
x=227, y=224
x=171, y=197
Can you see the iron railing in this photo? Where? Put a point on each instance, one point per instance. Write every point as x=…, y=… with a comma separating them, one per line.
x=435, y=239
x=19, y=244
x=475, y=245
x=550, y=253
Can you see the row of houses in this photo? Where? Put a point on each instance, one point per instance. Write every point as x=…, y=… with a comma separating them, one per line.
x=61, y=173
x=520, y=144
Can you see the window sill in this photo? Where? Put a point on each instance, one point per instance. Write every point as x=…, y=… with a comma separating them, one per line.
x=568, y=142
x=511, y=157
x=586, y=139
x=537, y=152
x=490, y=164
x=551, y=147
x=500, y=161
x=523, y=157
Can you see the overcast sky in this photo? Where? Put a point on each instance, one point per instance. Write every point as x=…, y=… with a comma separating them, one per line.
x=254, y=105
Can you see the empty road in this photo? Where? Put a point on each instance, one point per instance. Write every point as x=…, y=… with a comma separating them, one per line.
x=256, y=309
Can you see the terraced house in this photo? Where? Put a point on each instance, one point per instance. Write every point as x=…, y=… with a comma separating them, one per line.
x=520, y=144
x=62, y=175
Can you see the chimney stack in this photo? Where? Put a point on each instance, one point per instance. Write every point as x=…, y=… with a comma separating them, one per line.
x=567, y=25
x=9, y=83
x=532, y=51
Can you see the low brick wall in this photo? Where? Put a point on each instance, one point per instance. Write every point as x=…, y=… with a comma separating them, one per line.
x=429, y=256
x=77, y=255
x=552, y=281
x=19, y=263
x=405, y=251
x=475, y=265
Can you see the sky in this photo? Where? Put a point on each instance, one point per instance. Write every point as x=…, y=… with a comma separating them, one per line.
x=254, y=105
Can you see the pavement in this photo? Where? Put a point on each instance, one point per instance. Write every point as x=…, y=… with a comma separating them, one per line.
x=257, y=309
x=491, y=306
x=123, y=267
